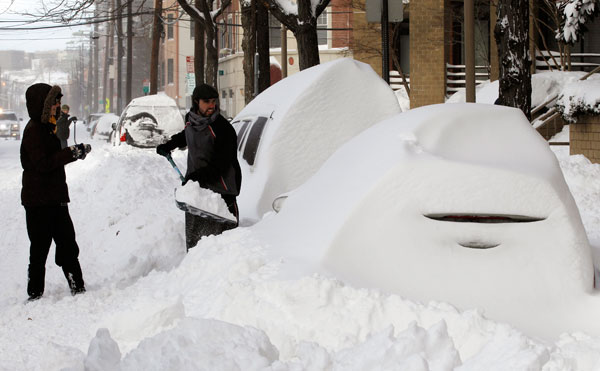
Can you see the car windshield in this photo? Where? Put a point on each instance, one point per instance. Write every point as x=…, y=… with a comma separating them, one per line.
x=8, y=116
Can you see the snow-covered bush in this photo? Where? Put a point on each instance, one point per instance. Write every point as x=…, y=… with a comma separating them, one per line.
x=579, y=98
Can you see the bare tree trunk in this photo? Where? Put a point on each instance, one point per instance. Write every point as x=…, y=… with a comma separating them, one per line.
x=512, y=36
x=262, y=47
x=212, y=55
x=306, y=34
x=156, y=31
x=198, y=49
x=249, y=48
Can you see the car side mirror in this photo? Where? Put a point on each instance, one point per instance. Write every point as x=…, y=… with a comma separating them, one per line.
x=278, y=202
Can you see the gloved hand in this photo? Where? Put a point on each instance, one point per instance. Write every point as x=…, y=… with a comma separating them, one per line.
x=80, y=150
x=162, y=150
x=72, y=119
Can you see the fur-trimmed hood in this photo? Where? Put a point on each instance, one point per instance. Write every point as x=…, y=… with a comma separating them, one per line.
x=40, y=99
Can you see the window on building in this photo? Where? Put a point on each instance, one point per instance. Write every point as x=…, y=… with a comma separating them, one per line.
x=274, y=32
x=170, y=26
x=322, y=28
x=230, y=103
x=170, y=71
x=224, y=100
x=192, y=28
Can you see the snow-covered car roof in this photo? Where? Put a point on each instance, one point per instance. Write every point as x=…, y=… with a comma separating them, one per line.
x=464, y=204
x=296, y=124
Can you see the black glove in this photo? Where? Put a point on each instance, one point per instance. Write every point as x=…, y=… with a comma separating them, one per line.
x=163, y=150
x=80, y=150
x=73, y=118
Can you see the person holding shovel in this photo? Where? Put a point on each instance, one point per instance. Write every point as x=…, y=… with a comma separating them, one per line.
x=211, y=161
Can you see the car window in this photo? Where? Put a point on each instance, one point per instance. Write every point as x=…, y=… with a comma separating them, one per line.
x=241, y=133
x=253, y=140
x=8, y=116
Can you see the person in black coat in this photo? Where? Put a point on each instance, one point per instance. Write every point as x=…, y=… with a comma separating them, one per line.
x=45, y=194
x=212, y=158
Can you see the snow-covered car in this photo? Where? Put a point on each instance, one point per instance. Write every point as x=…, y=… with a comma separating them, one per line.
x=290, y=129
x=9, y=125
x=104, y=128
x=92, y=119
x=462, y=204
x=149, y=121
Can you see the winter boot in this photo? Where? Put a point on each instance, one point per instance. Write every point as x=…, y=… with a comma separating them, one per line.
x=74, y=278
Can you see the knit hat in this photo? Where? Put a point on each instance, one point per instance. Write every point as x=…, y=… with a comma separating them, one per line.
x=65, y=107
x=204, y=91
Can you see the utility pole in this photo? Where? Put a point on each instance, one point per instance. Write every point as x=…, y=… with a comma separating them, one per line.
x=96, y=68
x=129, y=52
x=469, y=50
x=119, y=102
x=156, y=30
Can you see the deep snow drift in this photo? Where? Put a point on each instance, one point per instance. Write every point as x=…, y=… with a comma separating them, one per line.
x=222, y=306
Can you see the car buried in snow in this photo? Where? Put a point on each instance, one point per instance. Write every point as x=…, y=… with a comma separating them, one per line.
x=288, y=131
x=460, y=203
x=148, y=121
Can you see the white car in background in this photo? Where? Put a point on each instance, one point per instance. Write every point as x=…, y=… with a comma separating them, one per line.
x=148, y=121
x=103, y=128
x=10, y=126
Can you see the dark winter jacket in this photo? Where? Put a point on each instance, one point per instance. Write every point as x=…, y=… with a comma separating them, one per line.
x=42, y=159
x=214, y=166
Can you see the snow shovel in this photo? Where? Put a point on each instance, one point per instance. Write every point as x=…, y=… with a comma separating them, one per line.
x=195, y=211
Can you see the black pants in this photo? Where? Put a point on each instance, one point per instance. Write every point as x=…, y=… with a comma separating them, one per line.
x=197, y=227
x=45, y=224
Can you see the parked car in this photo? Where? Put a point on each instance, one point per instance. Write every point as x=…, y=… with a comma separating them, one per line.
x=288, y=131
x=10, y=126
x=460, y=203
x=104, y=127
x=149, y=121
x=92, y=119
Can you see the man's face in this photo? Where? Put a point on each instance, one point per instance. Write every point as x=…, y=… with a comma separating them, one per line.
x=206, y=107
x=66, y=111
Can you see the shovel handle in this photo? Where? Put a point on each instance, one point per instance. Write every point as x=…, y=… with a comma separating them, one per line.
x=170, y=159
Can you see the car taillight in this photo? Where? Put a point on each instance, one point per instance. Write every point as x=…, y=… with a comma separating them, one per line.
x=123, y=137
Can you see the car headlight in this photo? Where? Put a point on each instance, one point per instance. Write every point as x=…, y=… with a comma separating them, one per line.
x=3, y=126
x=15, y=126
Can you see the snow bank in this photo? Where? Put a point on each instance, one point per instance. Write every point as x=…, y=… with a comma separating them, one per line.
x=310, y=114
x=399, y=222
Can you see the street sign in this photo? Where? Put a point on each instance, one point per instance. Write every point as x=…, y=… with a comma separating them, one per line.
x=221, y=72
x=146, y=86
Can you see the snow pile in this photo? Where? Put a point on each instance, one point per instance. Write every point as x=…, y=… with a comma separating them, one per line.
x=579, y=98
x=149, y=305
x=204, y=199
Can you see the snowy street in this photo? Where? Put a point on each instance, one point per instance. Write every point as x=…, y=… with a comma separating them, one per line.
x=222, y=307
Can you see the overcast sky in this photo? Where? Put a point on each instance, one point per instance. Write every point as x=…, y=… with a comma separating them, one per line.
x=31, y=40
